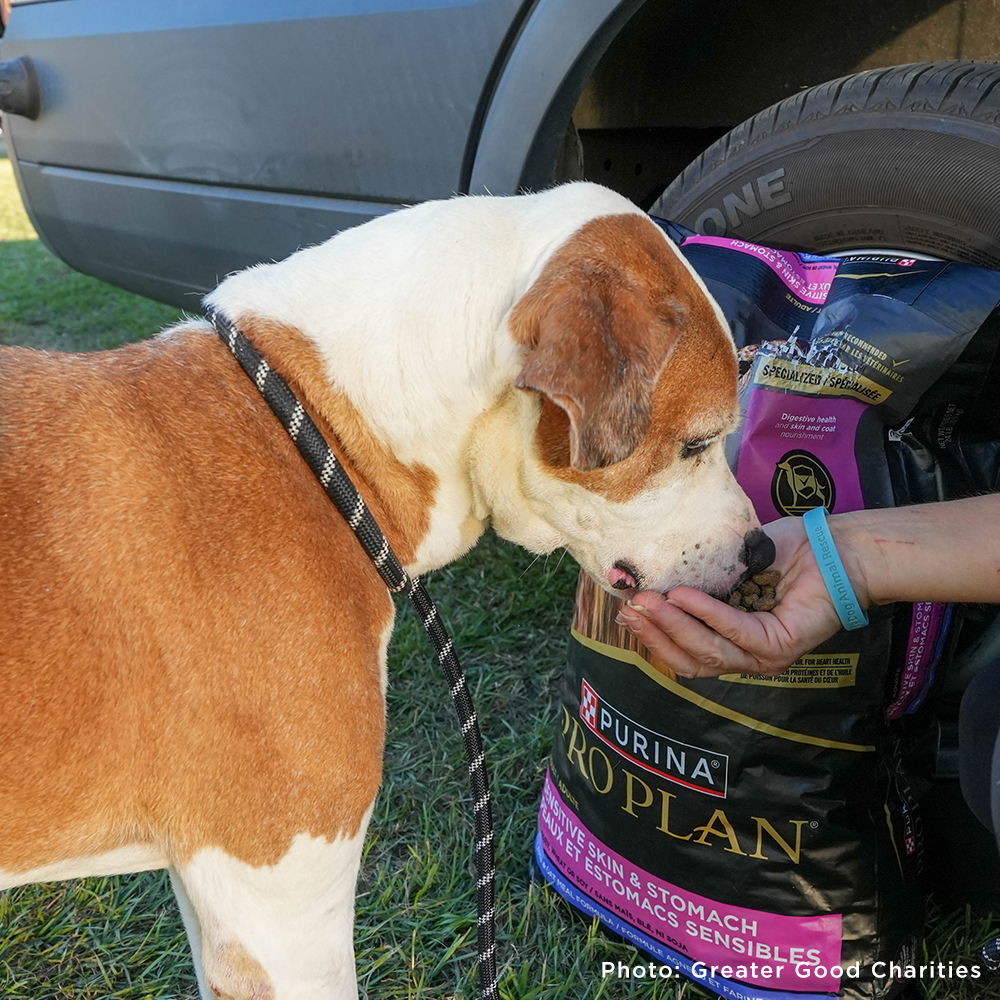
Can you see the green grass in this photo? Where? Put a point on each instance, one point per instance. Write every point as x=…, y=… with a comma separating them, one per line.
x=122, y=937
x=43, y=303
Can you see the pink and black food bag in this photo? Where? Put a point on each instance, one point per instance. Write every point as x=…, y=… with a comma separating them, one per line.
x=771, y=826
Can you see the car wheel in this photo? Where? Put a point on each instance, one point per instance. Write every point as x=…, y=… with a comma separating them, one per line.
x=906, y=157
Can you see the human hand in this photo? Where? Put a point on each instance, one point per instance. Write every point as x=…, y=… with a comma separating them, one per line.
x=698, y=636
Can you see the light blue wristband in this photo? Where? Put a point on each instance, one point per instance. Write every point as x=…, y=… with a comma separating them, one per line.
x=845, y=601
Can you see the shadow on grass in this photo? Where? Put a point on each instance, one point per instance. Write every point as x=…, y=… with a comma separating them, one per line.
x=45, y=304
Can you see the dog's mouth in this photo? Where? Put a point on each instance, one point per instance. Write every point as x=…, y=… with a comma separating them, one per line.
x=625, y=578
x=743, y=577
x=627, y=581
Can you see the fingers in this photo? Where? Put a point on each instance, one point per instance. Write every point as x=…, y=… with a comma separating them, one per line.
x=699, y=646
x=734, y=624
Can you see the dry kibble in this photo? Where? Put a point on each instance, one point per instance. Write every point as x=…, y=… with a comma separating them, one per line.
x=757, y=593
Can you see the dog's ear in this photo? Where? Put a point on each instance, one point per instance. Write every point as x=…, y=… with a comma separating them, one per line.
x=598, y=347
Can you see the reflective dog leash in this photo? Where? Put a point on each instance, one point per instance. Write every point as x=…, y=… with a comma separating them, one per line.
x=334, y=479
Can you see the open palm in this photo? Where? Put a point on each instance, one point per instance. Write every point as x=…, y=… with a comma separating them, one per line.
x=699, y=636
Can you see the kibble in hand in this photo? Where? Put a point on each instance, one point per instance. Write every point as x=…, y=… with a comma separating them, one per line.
x=757, y=593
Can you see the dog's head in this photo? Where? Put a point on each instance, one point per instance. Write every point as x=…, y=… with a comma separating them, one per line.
x=625, y=395
x=547, y=362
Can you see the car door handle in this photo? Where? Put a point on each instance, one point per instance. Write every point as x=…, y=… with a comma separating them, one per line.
x=19, y=91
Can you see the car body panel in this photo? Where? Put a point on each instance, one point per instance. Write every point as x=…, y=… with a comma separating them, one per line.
x=173, y=240
x=204, y=162
x=370, y=100
x=559, y=46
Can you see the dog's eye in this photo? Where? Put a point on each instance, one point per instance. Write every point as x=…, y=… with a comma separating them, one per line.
x=692, y=448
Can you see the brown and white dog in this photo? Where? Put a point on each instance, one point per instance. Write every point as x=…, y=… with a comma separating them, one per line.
x=192, y=642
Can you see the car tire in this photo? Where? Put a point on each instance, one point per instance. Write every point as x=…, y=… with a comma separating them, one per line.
x=906, y=157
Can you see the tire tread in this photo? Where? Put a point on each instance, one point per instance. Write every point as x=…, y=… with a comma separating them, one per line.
x=939, y=88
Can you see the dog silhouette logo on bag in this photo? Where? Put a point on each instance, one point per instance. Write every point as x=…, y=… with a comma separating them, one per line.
x=801, y=481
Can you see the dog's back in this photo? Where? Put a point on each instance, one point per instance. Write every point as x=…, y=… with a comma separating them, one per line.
x=169, y=568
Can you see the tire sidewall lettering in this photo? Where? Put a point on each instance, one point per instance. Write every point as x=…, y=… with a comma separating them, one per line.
x=765, y=192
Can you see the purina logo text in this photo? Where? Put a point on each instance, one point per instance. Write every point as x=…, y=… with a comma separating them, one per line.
x=681, y=763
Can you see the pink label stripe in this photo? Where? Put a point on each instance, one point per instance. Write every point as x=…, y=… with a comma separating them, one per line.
x=809, y=280
x=796, y=952
x=925, y=632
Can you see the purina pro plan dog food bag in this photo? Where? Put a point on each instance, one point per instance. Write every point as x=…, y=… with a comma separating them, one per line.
x=760, y=834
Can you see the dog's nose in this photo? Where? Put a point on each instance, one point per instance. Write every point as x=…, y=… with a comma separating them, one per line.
x=758, y=551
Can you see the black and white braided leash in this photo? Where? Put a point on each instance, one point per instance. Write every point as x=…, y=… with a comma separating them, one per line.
x=335, y=480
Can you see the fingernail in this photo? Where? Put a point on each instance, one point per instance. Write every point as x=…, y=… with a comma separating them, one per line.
x=631, y=622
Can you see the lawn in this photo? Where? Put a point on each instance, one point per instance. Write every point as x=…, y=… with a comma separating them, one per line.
x=509, y=613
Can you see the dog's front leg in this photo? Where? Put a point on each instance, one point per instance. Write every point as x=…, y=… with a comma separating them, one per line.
x=193, y=929
x=277, y=932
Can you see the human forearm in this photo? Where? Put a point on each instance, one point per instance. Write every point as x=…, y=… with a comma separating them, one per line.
x=932, y=552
